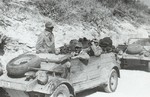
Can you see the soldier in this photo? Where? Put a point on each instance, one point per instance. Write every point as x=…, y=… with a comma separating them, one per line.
x=79, y=53
x=94, y=49
x=45, y=42
x=72, y=44
x=97, y=50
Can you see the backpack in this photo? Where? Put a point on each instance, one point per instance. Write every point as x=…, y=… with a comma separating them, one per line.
x=106, y=41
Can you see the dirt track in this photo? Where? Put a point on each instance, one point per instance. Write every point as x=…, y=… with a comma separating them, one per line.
x=133, y=83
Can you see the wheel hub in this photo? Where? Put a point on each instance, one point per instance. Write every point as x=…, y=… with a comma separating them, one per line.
x=113, y=81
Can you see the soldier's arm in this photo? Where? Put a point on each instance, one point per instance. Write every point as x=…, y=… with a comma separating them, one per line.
x=82, y=55
x=51, y=39
x=39, y=41
x=59, y=60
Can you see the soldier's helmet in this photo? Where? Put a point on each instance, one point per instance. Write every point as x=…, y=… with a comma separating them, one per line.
x=49, y=25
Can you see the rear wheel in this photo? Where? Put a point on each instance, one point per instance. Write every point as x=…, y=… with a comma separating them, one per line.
x=61, y=91
x=112, y=82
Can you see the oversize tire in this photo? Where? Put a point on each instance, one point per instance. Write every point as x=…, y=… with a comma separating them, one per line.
x=134, y=49
x=112, y=82
x=61, y=91
x=18, y=66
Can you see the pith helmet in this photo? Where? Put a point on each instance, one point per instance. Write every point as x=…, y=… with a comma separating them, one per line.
x=49, y=25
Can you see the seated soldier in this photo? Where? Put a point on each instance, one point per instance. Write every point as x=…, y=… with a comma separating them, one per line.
x=72, y=44
x=67, y=49
x=94, y=49
x=85, y=42
x=79, y=53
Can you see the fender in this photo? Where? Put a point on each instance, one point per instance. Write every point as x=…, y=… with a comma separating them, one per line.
x=106, y=68
x=52, y=84
x=60, y=81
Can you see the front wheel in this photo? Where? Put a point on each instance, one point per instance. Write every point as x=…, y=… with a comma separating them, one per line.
x=61, y=91
x=112, y=82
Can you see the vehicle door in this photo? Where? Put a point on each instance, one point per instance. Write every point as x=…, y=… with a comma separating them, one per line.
x=77, y=71
x=98, y=69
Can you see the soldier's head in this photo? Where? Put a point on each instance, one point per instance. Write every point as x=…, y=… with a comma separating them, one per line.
x=49, y=26
x=78, y=47
x=96, y=42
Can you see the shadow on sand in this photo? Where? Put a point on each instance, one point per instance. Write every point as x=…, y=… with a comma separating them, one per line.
x=136, y=67
x=89, y=92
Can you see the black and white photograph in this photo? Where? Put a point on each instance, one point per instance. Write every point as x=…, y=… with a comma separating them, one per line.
x=74, y=48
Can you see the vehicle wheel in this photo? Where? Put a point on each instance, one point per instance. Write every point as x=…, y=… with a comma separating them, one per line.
x=148, y=67
x=61, y=91
x=18, y=66
x=112, y=82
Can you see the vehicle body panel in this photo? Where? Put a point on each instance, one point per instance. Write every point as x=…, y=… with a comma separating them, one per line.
x=81, y=76
x=93, y=74
x=136, y=59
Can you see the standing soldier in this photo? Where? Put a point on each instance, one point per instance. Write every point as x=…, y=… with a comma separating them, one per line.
x=45, y=42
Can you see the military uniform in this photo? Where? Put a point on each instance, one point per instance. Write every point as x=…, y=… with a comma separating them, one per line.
x=80, y=54
x=45, y=42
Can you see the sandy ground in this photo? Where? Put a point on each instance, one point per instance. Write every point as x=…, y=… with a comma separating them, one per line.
x=133, y=83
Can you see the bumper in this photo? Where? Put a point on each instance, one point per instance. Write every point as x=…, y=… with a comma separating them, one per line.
x=20, y=84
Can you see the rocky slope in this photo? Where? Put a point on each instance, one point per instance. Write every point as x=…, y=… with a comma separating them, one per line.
x=22, y=22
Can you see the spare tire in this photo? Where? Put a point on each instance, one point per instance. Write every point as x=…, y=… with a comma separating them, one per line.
x=18, y=66
x=134, y=49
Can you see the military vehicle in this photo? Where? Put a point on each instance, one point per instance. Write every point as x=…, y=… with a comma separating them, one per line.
x=135, y=53
x=50, y=75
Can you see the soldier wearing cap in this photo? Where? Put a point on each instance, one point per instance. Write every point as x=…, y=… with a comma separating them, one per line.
x=79, y=53
x=45, y=42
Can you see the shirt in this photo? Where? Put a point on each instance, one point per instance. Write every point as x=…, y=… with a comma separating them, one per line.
x=45, y=42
